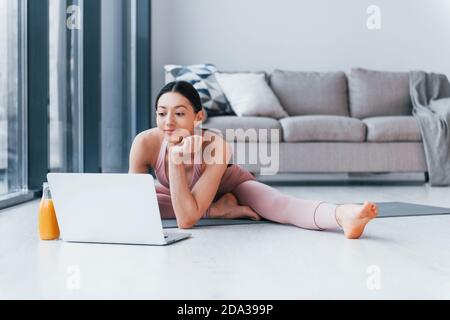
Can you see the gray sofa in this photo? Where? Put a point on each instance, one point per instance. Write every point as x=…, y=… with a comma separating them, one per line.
x=338, y=123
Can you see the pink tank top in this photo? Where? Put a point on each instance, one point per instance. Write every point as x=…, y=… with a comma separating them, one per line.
x=233, y=176
x=160, y=168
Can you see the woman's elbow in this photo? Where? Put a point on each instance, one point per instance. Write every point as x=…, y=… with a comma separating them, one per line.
x=186, y=224
x=185, y=220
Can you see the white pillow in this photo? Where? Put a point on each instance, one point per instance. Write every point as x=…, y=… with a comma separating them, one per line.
x=250, y=95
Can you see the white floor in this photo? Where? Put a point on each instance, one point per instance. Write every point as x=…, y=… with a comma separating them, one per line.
x=396, y=258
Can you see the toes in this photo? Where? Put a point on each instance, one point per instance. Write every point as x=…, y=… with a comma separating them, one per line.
x=366, y=211
x=366, y=208
x=256, y=217
x=252, y=214
x=374, y=209
x=367, y=204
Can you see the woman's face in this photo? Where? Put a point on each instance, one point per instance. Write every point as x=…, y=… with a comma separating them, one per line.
x=175, y=116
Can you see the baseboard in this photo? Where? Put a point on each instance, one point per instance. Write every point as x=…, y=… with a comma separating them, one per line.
x=345, y=178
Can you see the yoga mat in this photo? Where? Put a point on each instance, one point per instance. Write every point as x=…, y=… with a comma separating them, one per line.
x=385, y=210
x=172, y=223
x=402, y=209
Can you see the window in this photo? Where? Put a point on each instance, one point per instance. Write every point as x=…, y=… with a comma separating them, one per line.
x=13, y=133
x=89, y=85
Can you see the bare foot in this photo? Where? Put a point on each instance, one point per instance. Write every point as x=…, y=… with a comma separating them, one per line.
x=354, y=217
x=227, y=207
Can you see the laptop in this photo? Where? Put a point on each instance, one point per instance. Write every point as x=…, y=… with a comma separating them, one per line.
x=109, y=208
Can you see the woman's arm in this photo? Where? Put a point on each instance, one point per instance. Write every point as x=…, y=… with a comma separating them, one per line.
x=189, y=206
x=138, y=155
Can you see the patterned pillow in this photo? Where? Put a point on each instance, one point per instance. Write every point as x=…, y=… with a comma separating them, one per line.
x=202, y=77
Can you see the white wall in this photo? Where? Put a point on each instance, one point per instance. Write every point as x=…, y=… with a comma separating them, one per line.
x=310, y=35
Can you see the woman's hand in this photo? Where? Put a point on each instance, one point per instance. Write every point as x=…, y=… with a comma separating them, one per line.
x=182, y=152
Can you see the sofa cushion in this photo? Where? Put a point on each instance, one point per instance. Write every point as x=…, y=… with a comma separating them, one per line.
x=311, y=93
x=379, y=93
x=203, y=78
x=250, y=128
x=250, y=95
x=266, y=75
x=322, y=128
x=388, y=129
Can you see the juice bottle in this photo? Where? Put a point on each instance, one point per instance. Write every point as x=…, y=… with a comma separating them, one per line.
x=48, y=224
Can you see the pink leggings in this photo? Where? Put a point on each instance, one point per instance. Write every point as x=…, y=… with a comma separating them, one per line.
x=272, y=205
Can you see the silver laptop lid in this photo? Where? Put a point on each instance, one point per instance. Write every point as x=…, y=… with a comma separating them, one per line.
x=107, y=208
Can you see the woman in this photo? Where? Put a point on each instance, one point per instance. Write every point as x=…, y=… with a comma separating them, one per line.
x=196, y=183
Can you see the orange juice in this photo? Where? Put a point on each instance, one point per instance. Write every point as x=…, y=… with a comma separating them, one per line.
x=48, y=224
